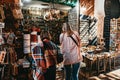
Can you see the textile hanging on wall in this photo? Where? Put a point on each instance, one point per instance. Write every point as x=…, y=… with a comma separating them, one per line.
x=11, y=38
x=17, y=13
x=99, y=7
x=99, y=13
x=7, y=11
x=2, y=56
x=2, y=16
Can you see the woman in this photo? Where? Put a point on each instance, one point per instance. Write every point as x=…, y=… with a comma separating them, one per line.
x=50, y=56
x=39, y=69
x=70, y=47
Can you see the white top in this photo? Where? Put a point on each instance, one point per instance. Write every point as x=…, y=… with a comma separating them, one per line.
x=71, y=52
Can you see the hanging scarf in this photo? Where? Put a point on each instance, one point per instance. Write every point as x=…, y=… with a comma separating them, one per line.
x=39, y=59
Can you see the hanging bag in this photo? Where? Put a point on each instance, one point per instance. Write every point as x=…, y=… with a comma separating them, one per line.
x=17, y=13
x=2, y=56
x=2, y=16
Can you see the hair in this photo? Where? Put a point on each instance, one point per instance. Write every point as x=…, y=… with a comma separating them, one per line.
x=45, y=35
x=67, y=28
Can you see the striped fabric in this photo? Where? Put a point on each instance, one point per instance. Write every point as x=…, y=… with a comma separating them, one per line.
x=38, y=75
x=44, y=59
x=50, y=53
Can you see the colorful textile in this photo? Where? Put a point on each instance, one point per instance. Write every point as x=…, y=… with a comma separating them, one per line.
x=39, y=59
x=50, y=52
x=38, y=75
x=44, y=58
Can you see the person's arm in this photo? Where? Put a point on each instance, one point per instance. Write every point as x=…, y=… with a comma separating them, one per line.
x=61, y=38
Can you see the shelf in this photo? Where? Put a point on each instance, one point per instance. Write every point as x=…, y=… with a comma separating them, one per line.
x=114, y=34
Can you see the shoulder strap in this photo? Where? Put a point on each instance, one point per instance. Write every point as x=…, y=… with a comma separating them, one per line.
x=74, y=40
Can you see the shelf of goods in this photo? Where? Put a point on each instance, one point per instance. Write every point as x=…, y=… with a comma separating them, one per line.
x=115, y=34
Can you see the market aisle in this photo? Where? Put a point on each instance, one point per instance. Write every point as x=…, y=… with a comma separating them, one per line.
x=60, y=74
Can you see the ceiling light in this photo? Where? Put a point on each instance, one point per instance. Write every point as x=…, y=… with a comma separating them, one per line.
x=26, y=1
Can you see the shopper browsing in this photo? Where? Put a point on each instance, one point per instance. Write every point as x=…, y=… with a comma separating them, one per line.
x=50, y=56
x=70, y=47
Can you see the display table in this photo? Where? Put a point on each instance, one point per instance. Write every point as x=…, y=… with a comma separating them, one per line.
x=97, y=63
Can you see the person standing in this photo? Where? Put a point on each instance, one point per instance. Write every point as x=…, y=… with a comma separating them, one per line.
x=70, y=47
x=44, y=54
x=50, y=56
x=39, y=69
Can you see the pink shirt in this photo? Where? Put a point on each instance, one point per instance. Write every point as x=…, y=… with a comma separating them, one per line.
x=71, y=52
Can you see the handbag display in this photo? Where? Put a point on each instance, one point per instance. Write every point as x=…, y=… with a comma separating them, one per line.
x=14, y=69
x=2, y=56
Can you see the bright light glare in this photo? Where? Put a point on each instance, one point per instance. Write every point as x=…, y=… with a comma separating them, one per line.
x=82, y=9
x=38, y=6
x=26, y=1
